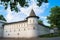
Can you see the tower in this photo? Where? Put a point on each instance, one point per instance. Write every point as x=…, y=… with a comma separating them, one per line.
x=32, y=24
x=32, y=18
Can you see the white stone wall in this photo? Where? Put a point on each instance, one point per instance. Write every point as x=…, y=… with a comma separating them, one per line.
x=19, y=30
x=32, y=23
x=25, y=29
x=14, y=29
x=43, y=30
x=32, y=20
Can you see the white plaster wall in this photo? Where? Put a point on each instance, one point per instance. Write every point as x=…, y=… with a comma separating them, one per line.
x=14, y=29
x=43, y=30
x=32, y=23
x=32, y=20
x=25, y=29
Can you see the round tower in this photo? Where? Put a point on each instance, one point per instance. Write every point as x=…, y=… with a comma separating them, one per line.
x=32, y=18
x=32, y=24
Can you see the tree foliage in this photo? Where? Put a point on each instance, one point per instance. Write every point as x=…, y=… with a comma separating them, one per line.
x=40, y=22
x=54, y=17
x=13, y=3
x=2, y=18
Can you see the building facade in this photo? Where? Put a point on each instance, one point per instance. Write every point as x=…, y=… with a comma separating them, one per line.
x=25, y=29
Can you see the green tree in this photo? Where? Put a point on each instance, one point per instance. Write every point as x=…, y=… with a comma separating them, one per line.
x=13, y=3
x=54, y=17
x=40, y=21
x=2, y=18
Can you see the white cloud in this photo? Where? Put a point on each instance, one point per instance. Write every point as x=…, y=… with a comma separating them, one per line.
x=13, y=16
x=9, y=14
x=45, y=21
x=38, y=10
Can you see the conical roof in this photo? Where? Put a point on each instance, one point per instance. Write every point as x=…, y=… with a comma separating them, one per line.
x=32, y=13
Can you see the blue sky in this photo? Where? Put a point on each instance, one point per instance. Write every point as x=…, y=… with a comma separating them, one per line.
x=42, y=11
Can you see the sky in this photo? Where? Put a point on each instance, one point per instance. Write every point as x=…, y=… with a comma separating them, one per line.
x=43, y=11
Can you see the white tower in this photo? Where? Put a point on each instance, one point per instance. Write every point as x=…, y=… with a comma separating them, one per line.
x=33, y=24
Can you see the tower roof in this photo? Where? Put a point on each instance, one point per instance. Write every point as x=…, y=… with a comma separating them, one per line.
x=32, y=14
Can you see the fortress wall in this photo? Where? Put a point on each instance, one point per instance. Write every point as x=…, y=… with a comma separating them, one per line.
x=43, y=30
x=20, y=30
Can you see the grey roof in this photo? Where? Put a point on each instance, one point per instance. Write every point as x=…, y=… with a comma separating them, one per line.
x=32, y=14
x=16, y=22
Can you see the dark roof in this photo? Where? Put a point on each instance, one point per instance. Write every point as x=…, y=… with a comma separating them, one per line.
x=32, y=14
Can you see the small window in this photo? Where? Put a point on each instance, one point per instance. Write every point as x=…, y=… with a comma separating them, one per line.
x=6, y=31
x=8, y=34
x=33, y=27
x=19, y=29
x=19, y=25
x=30, y=21
x=10, y=30
x=17, y=33
x=24, y=29
x=24, y=24
x=33, y=20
